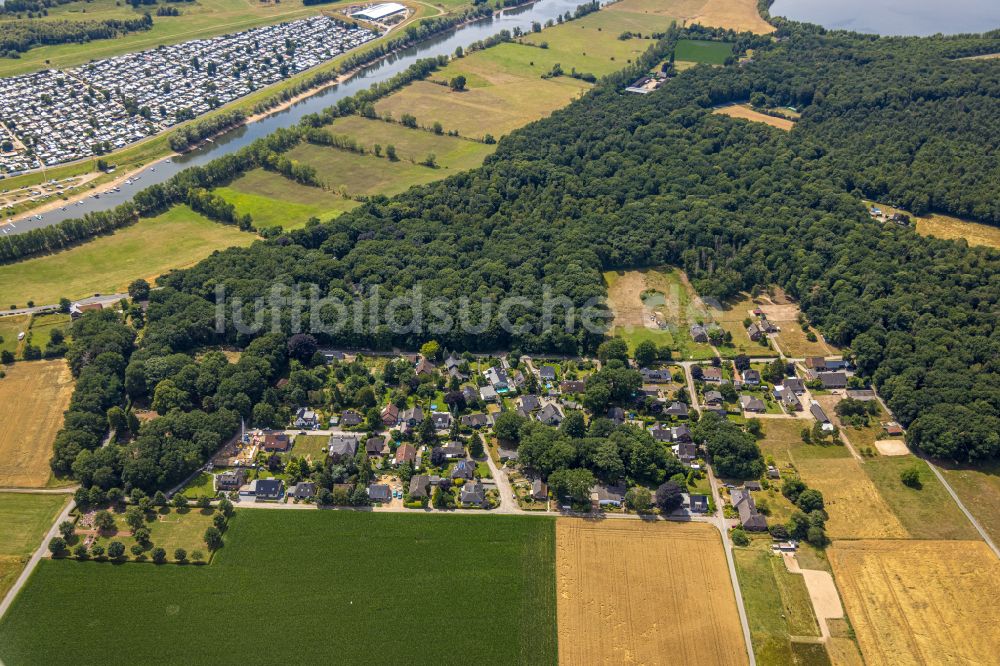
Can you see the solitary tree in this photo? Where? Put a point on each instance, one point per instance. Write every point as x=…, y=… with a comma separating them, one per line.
x=740, y=537
x=66, y=529
x=180, y=555
x=457, y=83
x=159, y=555
x=57, y=546
x=911, y=477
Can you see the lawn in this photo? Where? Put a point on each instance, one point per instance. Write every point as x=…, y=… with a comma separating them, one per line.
x=700, y=50
x=313, y=446
x=271, y=199
x=777, y=603
x=43, y=325
x=10, y=327
x=202, y=484
x=783, y=442
x=24, y=520
x=168, y=528
x=927, y=513
x=391, y=588
x=453, y=154
x=352, y=174
x=979, y=490
x=176, y=239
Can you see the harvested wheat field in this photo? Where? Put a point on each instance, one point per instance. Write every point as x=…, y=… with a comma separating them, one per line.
x=746, y=113
x=33, y=397
x=644, y=593
x=738, y=15
x=921, y=602
x=857, y=510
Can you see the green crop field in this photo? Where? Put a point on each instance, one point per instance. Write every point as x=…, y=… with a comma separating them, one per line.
x=307, y=586
x=271, y=199
x=927, y=512
x=178, y=238
x=24, y=520
x=699, y=50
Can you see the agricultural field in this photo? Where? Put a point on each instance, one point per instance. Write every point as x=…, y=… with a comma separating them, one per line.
x=657, y=305
x=175, y=239
x=857, y=509
x=632, y=592
x=10, y=327
x=206, y=18
x=948, y=227
x=351, y=174
x=928, y=512
x=271, y=199
x=920, y=602
x=24, y=520
x=778, y=607
x=738, y=15
x=703, y=51
x=745, y=112
x=979, y=490
x=33, y=397
x=416, y=586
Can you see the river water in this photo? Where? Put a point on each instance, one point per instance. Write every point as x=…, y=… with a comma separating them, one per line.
x=441, y=44
x=895, y=17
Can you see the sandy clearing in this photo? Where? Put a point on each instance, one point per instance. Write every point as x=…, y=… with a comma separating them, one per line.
x=892, y=447
x=746, y=113
x=822, y=593
x=625, y=299
x=33, y=397
x=633, y=593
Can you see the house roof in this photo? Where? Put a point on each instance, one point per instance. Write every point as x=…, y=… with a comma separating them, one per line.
x=406, y=453
x=818, y=412
x=374, y=444
x=419, y=485
x=269, y=487
x=473, y=493
x=379, y=492
x=343, y=445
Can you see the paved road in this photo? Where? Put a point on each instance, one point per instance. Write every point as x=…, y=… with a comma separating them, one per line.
x=508, y=502
x=104, y=300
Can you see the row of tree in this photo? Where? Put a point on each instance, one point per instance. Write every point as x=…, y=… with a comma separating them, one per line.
x=19, y=36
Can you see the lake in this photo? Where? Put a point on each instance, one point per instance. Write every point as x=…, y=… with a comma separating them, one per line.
x=895, y=17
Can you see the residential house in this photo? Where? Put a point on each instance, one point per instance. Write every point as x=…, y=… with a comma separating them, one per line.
x=655, y=376
x=306, y=418
x=470, y=394
x=603, y=495
x=276, y=442
x=699, y=333
x=677, y=409
x=230, y=479
x=424, y=367
x=464, y=469
x=794, y=384
x=755, y=332
x=766, y=326
x=547, y=373
x=497, y=377
x=817, y=363
x=711, y=374
x=379, y=492
x=713, y=398
x=267, y=489
x=550, y=415
x=351, y=419
x=454, y=372
x=488, y=394
x=753, y=485
x=342, y=447
x=452, y=361
x=390, y=415
x=453, y=450
x=420, y=485
x=698, y=503
x=303, y=490
x=442, y=420
x=473, y=494
x=617, y=414
x=751, y=377
x=680, y=433
x=687, y=452
x=375, y=446
x=413, y=416
x=818, y=412
x=787, y=398
x=750, y=518
x=572, y=386
x=539, y=490
x=477, y=421
x=406, y=454
x=662, y=433
x=528, y=403
x=751, y=404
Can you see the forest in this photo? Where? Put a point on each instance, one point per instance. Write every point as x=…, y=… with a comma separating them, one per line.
x=623, y=181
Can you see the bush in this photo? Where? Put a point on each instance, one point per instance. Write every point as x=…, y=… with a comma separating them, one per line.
x=778, y=531
x=116, y=549
x=57, y=546
x=159, y=555
x=180, y=555
x=911, y=477
x=739, y=537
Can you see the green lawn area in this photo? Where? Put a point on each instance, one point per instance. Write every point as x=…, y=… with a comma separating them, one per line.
x=352, y=174
x=927, y=513
x=700, y=50
x=202, y=484
x=175, y=239
x=388, y=587
x=979, y=490
x=310, y=445
x=783, y=442
x=11, y=327
x=777, y=604
x=24, y=520
x=453, y=154
x=168, y=529
x=271, y=199
x=43, y=325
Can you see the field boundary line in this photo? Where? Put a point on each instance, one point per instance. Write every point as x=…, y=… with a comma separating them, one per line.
x=968, y=514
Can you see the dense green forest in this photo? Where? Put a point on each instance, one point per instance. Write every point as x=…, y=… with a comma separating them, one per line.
x=619, y=181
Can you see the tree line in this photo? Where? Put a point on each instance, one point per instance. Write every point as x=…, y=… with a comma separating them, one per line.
x=19, y=36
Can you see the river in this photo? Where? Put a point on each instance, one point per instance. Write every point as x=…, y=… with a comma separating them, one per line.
x=442, y=44
x=895, y=17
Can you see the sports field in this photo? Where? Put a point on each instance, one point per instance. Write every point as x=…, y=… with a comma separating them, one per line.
x=24, y=519
x=857, y=509
x=175, y=239
x=307, y=587
x=701, y=50
x=920, y=602
x=33, y=397
x=634, y=592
